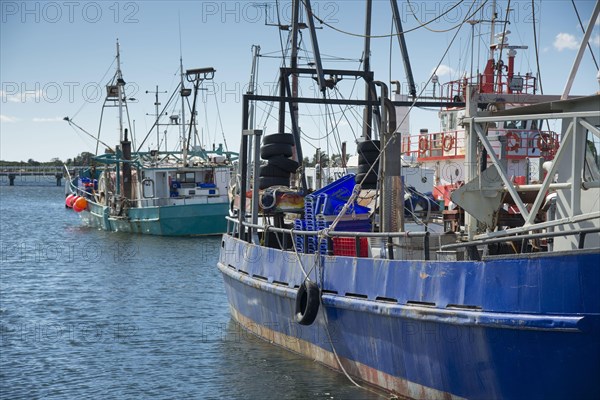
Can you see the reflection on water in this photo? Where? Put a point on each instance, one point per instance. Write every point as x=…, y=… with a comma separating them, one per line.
x=87, y=313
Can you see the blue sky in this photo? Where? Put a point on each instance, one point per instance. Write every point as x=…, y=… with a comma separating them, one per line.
x=53, y=55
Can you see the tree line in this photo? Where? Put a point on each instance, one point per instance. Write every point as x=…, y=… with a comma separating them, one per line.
x=84, y=158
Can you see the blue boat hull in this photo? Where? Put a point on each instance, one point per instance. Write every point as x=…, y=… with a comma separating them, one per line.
x=177, y=220
x=512, y=328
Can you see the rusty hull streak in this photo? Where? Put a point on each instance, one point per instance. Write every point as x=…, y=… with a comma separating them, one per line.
x=355, y=369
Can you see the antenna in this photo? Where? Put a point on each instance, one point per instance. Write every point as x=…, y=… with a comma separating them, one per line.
x=184, y=93
x=158, y=115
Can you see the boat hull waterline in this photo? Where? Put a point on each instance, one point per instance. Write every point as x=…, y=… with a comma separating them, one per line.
x=498, y=328
x=177, y=220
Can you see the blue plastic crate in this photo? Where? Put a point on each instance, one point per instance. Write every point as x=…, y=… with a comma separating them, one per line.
x=360, y=225
x=340, y=189
x=309, y=208
x=300, y=225
x=323, y=246
x=333, y=206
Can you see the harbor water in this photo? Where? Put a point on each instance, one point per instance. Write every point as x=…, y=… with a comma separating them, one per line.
x=91, y=314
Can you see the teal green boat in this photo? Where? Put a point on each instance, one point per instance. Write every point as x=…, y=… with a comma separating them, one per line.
x=167, y=193
x=165, y=199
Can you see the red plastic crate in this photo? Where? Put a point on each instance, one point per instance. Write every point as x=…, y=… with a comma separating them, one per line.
x=345, y=246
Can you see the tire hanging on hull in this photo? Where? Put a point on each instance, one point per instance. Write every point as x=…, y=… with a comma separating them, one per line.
x=307, y=302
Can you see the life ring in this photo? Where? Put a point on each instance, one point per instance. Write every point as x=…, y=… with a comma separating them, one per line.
x=423, y=144
x=546, y=142
x=512, y=141
x=307, y=303
x=448, y=142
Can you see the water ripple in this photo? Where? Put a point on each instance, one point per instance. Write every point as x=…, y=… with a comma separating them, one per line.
x=92, y=314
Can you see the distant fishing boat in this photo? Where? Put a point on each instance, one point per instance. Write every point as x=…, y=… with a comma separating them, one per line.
x=487, y=309
x=168, y=193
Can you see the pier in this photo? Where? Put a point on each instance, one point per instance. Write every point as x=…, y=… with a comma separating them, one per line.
x=23, y=172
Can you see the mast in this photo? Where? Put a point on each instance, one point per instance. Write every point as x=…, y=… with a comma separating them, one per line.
x=252, y=83
x=402, y=43
x=492, y=29
x=253, y=156
x=120, y=87
x=294, y=55
x=315, y=47
x=182, y=130
x=488, y=78
x=368, y=112
x=156, y=104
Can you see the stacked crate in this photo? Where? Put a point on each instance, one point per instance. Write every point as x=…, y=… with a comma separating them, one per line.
x=321, y=208
x=300, y=225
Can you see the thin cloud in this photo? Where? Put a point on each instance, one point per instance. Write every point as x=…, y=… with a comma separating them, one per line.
x=53, y=119
x=587, y=22
x=595, y=40
x=22, y=97
x=13, y=98
x=566, y=41
x=443, y=70
x=7, y=118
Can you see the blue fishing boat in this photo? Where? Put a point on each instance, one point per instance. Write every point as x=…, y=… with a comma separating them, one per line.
x=157, y=192
x=497, y=306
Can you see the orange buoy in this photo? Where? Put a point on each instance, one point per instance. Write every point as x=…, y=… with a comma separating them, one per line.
x=80, y=204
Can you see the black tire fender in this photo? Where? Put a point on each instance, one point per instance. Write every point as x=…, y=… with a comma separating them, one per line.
x=275, y=149
x=369, y=157
x=284, y=163
x=284, y=138
x=364, y=168
x=307, y=302
x=272, y=170
x=368, y=146
x=371, y=178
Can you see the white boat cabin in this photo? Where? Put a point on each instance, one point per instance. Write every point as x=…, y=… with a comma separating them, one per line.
x=168, y=186
x=522, y=145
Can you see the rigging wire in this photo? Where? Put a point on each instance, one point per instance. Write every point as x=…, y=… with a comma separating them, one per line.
x=209, y=139
x=329, y=59
x=424, y=25
x=100, y=80
x=221, y=123
x=337, y=93
x=583, y=30
x=334, y=130
x=385, y=36
x=283, y=52
x=100, y=127
x=161, y=112
x=535, y=43
x=503, y=35
x=336, y=220
x=525, y=54
x=265, y=117
x=73, y=124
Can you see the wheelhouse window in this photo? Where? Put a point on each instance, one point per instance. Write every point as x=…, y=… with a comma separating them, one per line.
x=186, y=177
x=591, y=167
x=515, y=125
